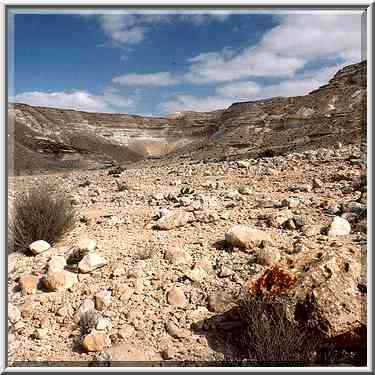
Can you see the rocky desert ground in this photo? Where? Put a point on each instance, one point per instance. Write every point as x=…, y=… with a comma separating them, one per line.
x=166, y=246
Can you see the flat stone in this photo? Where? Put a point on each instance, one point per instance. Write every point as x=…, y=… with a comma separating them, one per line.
x=244, y=236
x=91, y=262
x=39, y=246
x=60, y=280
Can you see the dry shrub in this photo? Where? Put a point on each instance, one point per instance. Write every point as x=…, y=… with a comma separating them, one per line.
x=272, y=337
x=43, y=212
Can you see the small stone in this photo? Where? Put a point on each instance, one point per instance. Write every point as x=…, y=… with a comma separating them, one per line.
x=86, y=306
x=176, y=297
x=14, y=314
x=177, y=256
x=291, y=202
x=206, y=216
x=96, y=342
x=244, y=236
x=168, y=353
x=126, y=331
x=60, y=280
x=27, y=309
x=86, y=245
x=243, y=164
x=103, y=324
x=124, y=292
x=225, y=271
x=175, y=331
x=57, y=263
x=91, y=262
x=174, y=219
x=102, y=299
x=339, y=227
x=29, y=283
x=39, y=246
x=118, y=269
x=157, y=196
x=278, y=219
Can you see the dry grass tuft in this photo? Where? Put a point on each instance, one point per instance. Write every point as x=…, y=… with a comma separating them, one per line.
x=43, y=212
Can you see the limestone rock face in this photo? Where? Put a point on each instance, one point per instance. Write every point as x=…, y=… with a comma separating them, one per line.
x=338, y=305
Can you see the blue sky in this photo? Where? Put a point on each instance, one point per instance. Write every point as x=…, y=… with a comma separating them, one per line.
x=160, y=62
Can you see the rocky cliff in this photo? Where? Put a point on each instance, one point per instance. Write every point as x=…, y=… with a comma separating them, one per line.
x=50, y=138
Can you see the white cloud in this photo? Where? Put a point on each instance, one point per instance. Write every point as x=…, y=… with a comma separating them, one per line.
x=195, y=103
x=153, y=79
x=227, y=94
x=284, y=49
x=130, y=27
x=78, y=100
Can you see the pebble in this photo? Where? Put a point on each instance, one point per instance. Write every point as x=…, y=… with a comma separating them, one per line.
x=339, y=227
x=176, y=297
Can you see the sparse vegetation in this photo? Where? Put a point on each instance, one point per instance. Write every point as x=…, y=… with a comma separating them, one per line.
x=272, y=337
x=84, y=183
x=116, y=172
x=186, y=191
x=44, y=212
x=121, y=186
x=146, y=252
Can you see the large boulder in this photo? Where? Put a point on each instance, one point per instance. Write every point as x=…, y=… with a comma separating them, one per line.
x=332, y=296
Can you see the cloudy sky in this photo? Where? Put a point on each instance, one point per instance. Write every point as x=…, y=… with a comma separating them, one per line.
x=159, y=62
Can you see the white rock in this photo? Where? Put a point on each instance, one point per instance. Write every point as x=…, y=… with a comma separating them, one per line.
x=102, y=299
x=56, y=264
x=14, y=315
x=244, y=236
x=103, y=324
x=339, y=227
x=90, y=262
x=39, y=246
